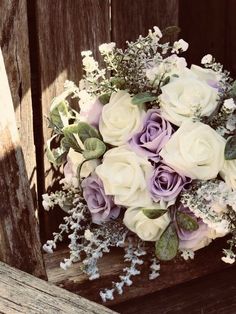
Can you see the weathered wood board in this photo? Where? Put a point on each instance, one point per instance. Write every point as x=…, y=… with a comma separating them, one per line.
x=15, y=48
x=23, y=293
x=19, y=235
x=130, y=18
x=63, y=30
x=207, y=260
x=211, y=294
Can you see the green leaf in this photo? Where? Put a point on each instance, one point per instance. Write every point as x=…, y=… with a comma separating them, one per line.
x=166, y=81
x=186, y=222
x=104, y=99
x=153, y=213
x=142, y=98
x=70, y=140
x=94, y=148
x=59, y=115
x=56, y=156
x=86, y=131
x=118, y=82
x=230, y=148
x=167, y=246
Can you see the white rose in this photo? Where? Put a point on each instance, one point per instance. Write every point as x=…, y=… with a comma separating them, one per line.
x=124, y=175
x=195, y=150
x=74, y=159
x=211, y=77
x=147, y=229
x=120, y=119
x=228, y=173
x=182, y=98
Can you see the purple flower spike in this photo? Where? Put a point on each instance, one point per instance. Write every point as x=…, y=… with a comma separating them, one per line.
x=151, y=139
x=101, y=206
x=166, y=184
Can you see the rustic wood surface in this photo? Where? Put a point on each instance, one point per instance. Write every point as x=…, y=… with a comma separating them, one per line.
x=209, y=27
x=212, y=294
x=63, y=30
x=206, y=261
x=15, y=48
x=130, y=18
x=19, y=238
x=23, y=293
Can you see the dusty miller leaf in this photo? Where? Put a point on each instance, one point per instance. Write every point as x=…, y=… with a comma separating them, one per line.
x=230, y=148
x=167, y=246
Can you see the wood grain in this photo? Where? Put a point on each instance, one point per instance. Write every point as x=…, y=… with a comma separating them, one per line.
x=203, y=26
x=64, y=29
x=207, y=261
x=130, y=18
x=15, y=47
x=230, y=37
x=211, y=294
x=19, y=237
x=22, y=293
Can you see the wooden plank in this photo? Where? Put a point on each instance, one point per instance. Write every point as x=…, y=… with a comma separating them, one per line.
x=130, y=18
x=64, y=29
x=230, y=46
x=19, y=238
x=203, y=26
x=215, y=293
x=23, y=293
x=15, y=47
x=207, y=260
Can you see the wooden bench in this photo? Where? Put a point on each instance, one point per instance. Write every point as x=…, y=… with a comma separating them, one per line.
x=23, y=293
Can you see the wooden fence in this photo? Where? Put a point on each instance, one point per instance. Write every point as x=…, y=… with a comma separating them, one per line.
x=41, y=42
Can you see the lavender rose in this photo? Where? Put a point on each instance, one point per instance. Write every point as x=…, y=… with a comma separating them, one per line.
x=166, y=184
x=101, y=206
x=151, y=139
x=193, y=240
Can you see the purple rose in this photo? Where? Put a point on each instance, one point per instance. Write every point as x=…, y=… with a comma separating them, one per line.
x=101, y=206
x=151, y=139
x=193, y=240
x=93, y=113
x=166, y=184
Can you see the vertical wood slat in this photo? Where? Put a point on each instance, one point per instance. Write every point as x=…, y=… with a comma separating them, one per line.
x=15, y=48
x=64, y=29
x=130, y=18
x=203, y=26
x=19, y=238
x=230, y=35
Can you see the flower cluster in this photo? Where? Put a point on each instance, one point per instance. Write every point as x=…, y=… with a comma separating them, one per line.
x=152, y=147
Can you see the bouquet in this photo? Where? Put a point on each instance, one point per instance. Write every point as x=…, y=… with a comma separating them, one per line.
x=149, y=153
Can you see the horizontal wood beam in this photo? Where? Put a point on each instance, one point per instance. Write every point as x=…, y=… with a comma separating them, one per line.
x=207, y=261
x=23, y=293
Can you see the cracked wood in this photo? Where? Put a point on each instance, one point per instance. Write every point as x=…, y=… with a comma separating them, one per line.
x=15, y=48
x=19, y=235
x=23, y=293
